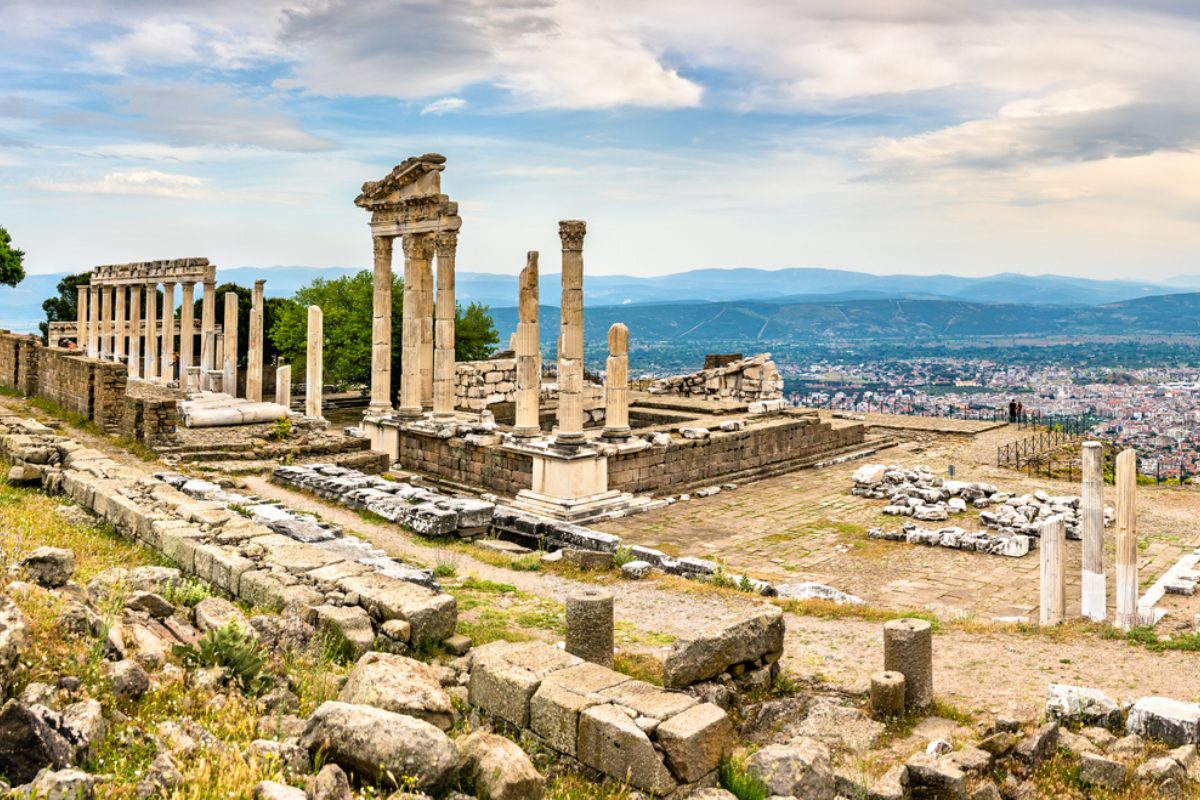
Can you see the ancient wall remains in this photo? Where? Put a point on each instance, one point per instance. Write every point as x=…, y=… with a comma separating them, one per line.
x=761, y=450
x=758, y=451
x=492, y=384
x=459, y=460
x=748, y=380
x=94, y=389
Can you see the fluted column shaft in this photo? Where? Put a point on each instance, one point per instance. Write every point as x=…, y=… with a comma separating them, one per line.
x=418, y=251
x=93, y=340
x=151, y=360
x=1127, y=566
x=118, y=349
x=81, y=309
x=135, y=332
x=208, y=326
x=187, y=324
x=106, y=322
x=254, y=363
x=444, y=377
x=381, y=328
x=315, y=373
x=425, y=304
x=1091, y=511
x=616, y=384
x=570, y=340
x=229, y=330
x=528, y=352
x=167, y=356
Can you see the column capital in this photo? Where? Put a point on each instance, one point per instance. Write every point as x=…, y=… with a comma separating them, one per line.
x=446, y=243
x=419, y=246
x=572, y=231
x=382, y=245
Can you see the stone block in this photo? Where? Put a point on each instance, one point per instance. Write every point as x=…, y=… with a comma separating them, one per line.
x=433, y=616
x=648, y=700
x=754, y=634
x=352, y=624
x=1079, y=704
x=612, y=743
x=1171, y=721
x=695, y=740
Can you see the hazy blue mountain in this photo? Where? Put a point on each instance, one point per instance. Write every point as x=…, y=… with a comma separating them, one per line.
x=20, y=308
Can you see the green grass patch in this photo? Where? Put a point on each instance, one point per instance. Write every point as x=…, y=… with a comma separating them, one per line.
x=738, y=781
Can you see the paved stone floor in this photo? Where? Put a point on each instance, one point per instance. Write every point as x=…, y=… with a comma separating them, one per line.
x=807, y=526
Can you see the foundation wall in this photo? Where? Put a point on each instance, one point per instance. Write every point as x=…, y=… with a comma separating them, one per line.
x=682, y=465
x=96, y=390
x=692, y=463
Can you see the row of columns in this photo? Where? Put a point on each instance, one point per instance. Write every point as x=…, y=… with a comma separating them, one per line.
x=427, y=377
x=570, y=352
x=1052, y=546
x=105, y=325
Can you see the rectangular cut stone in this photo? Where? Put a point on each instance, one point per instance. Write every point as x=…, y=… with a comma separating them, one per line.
x=612, y=743
x=754, y=634
x=648, y=700
x=260, y=587
x=695, y=741
x=227, y=569
x=502, y=689
x=431, y=615
x=1171, y=721
x=554, y=709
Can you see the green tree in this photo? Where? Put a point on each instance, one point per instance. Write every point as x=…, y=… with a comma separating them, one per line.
x=63, y=307
x=347, y=303
x=12, y=266
x=475, y=335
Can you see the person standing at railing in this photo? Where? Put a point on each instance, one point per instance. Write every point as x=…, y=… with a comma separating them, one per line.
x=1012, y=410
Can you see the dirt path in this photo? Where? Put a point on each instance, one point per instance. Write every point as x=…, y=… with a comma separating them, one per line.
x=989, y=671
x=986, y=671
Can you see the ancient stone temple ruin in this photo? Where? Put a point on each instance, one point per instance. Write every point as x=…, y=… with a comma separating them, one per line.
x=564, y=447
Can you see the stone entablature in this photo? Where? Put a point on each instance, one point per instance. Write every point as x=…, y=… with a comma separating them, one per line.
x=175, y=270
x=750, y=379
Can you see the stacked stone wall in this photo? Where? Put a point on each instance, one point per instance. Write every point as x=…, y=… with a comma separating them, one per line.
x=683, y=464
x=689, y=463
x=460, y=460
x=492, y=384
x=96, y=390
x=748, y=380
x=18, y=362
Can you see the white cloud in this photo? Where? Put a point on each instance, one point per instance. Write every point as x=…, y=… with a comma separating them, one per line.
x=149, y=183
x=187, y=114
x=444, y=106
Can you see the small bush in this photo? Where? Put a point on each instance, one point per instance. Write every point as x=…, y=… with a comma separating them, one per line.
x=738, y=781
x=187, y=592
x=281, y=429
x=623, y=556
x=234, y=649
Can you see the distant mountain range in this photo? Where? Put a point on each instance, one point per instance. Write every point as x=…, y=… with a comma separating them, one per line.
x=787, y=304
x=746, y=322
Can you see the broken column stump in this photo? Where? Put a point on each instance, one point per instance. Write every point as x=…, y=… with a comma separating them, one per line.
x=887, y=694
x=908, y=649
x=590, y=626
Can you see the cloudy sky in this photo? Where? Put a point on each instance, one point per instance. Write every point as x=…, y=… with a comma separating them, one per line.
x=917, y=136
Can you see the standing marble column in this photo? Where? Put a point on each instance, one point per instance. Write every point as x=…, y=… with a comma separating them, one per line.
x=229, y=331
x=616, y=384
x=1052, y=544
x=1091, y=512
x=93, y=340
x=81, y=307
x=1127, y=580
x=570, y=339
x=444, y=376
x=528, y=353
x=106, y=295
x=166, y=359
x=187, y=324
x=208, y=327
x=135, y=332
x=381, y=328
x=283, y=385
x=119, y=324
x=315, y=374
x=418, y=250
x=151, y=360
x=254, y=359
x=425, y=304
